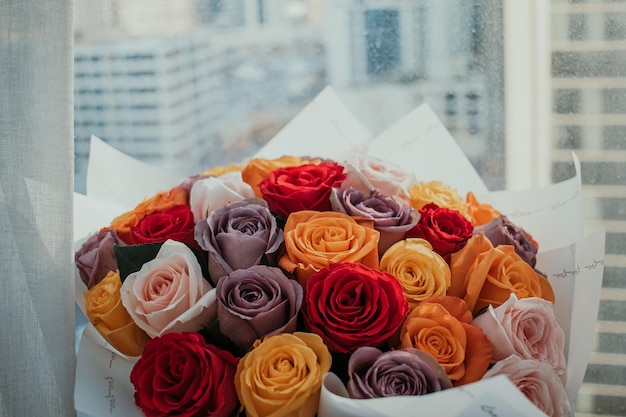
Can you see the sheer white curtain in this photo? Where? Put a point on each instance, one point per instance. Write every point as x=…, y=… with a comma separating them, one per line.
x=36, y=182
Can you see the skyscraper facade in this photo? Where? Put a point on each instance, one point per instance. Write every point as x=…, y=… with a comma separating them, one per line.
x=589, y=116
x=191, y=99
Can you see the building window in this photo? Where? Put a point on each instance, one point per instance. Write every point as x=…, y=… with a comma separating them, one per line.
x=382, y=41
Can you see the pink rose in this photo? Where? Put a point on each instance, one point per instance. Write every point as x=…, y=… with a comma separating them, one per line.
x=169, y=294
x=537, y=381
x=527, y=328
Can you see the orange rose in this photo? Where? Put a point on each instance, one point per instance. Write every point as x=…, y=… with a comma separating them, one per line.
x=317, y=239
x=483, y=274
x=441, y=327
x=159, y=202
x=106, y=312
x=439, y=193
x=422, y=272
x=259, y=169
x=480, y=213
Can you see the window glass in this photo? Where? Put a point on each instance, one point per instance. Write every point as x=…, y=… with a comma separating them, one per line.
x=588, y=78
x=195, y=83
x=225, y=76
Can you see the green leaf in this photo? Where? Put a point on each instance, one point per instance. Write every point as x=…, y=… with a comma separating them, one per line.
x=131, y=258
x=481, y=311
x=213, y=335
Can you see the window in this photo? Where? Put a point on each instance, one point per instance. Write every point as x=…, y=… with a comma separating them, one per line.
x=382, y=41
x=519, y=84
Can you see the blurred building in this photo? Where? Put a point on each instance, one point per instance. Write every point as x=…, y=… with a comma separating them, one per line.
x=151, y=97
x=589, y=116
x=188, y=100
x=423, y=51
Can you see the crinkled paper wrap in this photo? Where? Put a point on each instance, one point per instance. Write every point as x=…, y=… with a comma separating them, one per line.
x=419, y=143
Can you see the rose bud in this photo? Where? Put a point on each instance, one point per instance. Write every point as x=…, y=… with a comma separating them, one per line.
x=392, y=216
x=500, y=231
x=374, y=374
x=238, y=236
x=256, y=302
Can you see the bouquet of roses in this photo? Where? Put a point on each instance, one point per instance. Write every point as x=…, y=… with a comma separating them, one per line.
x=303, y=285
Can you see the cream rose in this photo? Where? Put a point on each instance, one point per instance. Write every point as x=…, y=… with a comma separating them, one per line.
x=169, y=294
x=369, y=173
x=525, y=327
x=212, y=193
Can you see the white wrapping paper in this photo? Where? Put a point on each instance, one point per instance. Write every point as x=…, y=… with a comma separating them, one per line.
x=420, y=144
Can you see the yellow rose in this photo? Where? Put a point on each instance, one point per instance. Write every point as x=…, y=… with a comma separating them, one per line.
x=221, y=170
x=282, y=375
x=259, y=169
x=105, y=311
x=317, y=239
x=439, y=193
x=422, y=272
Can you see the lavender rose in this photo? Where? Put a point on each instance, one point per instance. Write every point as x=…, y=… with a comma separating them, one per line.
x=95, y=257
x=374, y=374
x=237, y=236
x=256, y=302
x=527, y=328
x=537, y=381
x=392, y=216
x=500, y=231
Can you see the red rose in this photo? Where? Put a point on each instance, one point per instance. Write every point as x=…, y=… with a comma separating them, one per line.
x=304, y=187
x=175, y=223
x=351, y=305
x=445, y=229
x=180, y=374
